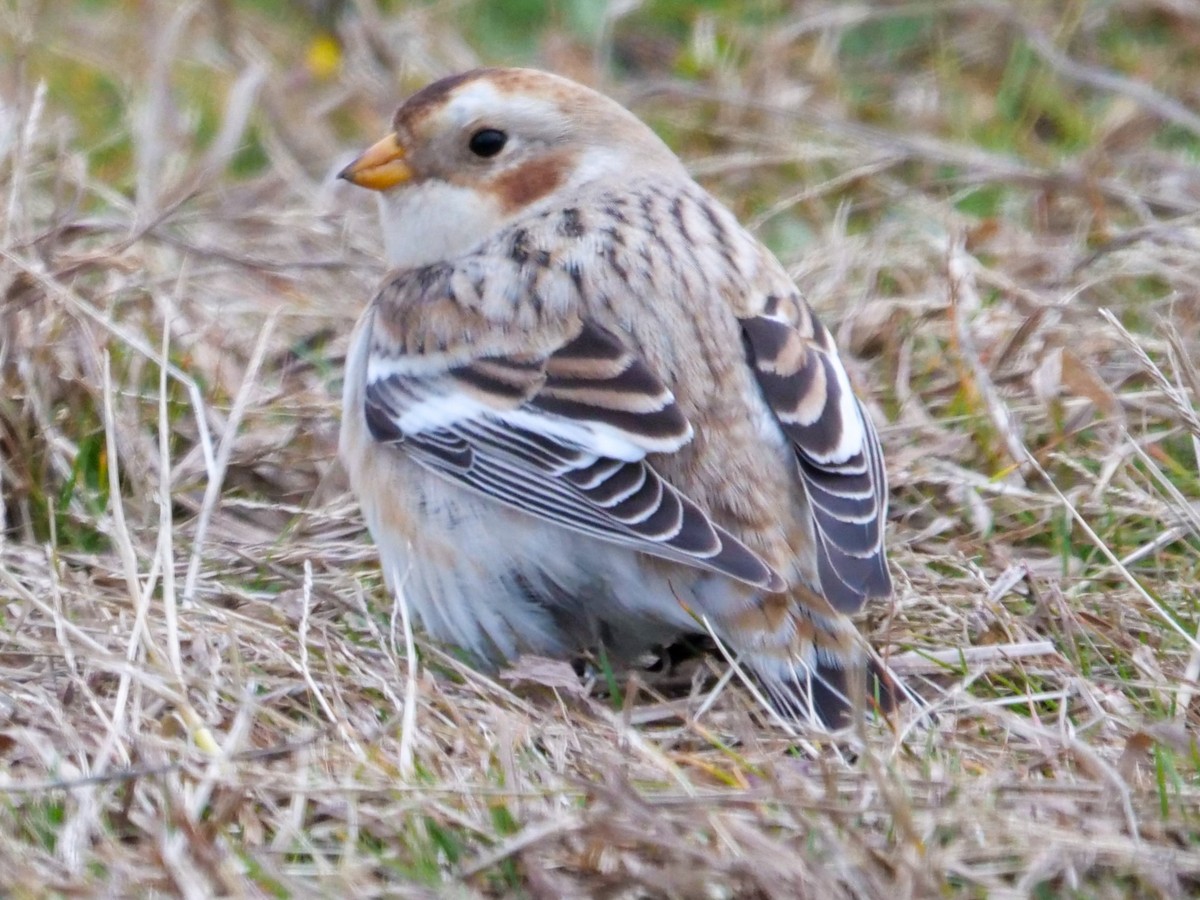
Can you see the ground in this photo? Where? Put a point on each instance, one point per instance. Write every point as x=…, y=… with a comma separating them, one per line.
x=204, y=688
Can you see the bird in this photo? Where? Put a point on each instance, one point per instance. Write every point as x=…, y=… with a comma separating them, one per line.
x=587, y=408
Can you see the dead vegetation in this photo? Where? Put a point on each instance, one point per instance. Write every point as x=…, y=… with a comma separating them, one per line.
x=204, y=690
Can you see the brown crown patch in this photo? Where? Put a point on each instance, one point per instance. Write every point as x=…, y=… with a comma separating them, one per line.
x=431, y=96
x=428, y=98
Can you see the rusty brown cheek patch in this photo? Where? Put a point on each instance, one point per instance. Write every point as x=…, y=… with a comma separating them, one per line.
x=526, y=184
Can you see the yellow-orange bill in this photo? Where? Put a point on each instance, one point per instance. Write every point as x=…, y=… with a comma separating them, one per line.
x=380, y=167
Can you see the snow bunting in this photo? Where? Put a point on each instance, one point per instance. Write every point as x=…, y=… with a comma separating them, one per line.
x=587, y=407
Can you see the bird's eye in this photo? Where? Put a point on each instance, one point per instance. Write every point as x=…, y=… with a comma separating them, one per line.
x=487, y=142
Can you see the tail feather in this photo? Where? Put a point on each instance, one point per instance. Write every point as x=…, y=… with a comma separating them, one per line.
x=830, y=694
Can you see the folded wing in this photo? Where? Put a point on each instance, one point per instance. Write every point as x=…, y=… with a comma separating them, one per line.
x=837, y=450
x=562, y=435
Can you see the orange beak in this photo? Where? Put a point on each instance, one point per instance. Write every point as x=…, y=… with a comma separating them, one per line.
x=382, y=166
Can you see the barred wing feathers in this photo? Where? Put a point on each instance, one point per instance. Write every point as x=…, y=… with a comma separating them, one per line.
x=563, y=436
x=837, y=449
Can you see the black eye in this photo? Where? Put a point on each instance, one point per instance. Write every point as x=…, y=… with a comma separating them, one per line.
x=487, y=142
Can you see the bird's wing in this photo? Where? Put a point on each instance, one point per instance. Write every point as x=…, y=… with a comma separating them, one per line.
x=561, y=433
x=840, y=463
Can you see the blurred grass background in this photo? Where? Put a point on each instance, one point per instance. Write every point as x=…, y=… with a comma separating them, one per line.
x=204, y=690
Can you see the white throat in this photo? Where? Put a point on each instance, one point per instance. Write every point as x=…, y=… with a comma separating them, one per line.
x=430, y=222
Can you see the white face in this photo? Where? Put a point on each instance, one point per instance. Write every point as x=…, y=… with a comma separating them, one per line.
x=455, y=206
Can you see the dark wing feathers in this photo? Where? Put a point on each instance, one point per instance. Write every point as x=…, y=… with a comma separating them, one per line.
x=507, y=378
x=595, y=372
x=837, y=451
x=564, y=437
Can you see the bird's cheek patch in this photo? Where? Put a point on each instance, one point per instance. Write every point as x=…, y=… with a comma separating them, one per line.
x=519, y=187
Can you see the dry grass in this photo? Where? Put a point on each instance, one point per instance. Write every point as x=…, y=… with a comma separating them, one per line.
x=203, y=688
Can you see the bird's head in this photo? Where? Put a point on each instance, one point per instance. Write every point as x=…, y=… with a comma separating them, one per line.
x=471, y=152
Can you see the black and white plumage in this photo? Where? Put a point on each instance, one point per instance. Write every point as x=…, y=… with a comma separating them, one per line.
x=588, y=405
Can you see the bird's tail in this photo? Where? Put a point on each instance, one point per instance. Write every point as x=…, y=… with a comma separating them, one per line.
x=810, y=658
x=831, y=692
x=815, y=666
